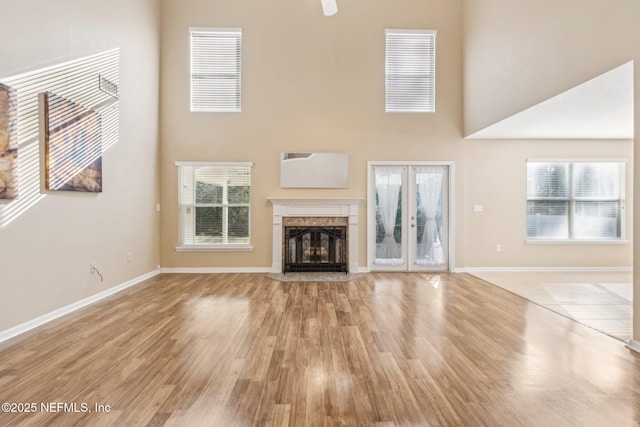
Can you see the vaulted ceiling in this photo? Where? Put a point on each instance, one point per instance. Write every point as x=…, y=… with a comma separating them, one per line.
x=601, y=108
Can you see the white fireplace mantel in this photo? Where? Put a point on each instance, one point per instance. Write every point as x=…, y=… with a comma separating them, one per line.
x=315, y=207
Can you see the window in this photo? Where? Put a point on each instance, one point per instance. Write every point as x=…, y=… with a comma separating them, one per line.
x=573, y=201
x=410, y=71
x=216, y=69
x=215, y=205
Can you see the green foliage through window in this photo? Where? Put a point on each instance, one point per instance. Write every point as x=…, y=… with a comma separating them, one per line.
x=216, y=204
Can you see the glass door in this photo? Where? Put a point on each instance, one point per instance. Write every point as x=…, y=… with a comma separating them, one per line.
x=409, y=218
x=390, y=252
x=429, y=220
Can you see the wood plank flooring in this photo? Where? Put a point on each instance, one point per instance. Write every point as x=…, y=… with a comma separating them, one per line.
x=382, y=350
x=600, y=300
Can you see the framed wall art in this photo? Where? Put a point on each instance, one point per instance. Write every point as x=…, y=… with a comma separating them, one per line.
x=72, y=145
x=8, y=143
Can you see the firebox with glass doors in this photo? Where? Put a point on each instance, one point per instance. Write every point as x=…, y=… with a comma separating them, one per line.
x=315, y=249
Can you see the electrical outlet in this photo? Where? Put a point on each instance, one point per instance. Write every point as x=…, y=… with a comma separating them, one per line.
x=498, y=247
x=129, y=257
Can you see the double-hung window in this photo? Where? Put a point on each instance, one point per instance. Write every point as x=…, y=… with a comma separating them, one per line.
x=575, y=200
x=215, y=206
x=216, y=69
x=410, y=71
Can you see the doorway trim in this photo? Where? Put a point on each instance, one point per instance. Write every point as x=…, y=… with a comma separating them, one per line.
x=371, y=231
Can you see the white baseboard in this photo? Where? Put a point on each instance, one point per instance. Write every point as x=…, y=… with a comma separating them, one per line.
x=39, y=321
x=634, y=345
x=473, y=270
x=210, y=270
x=215, y=270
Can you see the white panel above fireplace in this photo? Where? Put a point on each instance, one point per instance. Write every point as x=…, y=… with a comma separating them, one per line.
x=315, y=207
x=314, y=170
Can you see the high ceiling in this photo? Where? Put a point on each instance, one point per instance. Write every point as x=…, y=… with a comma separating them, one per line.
x=601, y=108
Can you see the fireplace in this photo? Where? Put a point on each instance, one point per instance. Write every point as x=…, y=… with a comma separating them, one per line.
x=315, y=245
x=327, y=222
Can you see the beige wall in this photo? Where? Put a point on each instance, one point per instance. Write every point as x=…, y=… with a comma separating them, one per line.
x=636, y=207
x=311, y=83
x=519, y=53
x=496, y=178
x=45, y=253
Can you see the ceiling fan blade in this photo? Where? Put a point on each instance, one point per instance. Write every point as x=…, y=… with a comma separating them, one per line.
x=329, y=7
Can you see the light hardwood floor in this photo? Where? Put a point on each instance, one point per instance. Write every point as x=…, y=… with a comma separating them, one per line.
x=384, y=349
x=600, y=300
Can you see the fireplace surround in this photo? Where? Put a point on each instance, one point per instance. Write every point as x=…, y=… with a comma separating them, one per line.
x=315, y=214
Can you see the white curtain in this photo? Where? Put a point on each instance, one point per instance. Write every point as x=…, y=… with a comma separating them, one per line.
x=429, y=187
x=388, y=185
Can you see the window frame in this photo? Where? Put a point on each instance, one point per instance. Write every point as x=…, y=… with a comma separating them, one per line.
x=430, y=78
x=185, y=247
x=237, y=75
x=572, y=199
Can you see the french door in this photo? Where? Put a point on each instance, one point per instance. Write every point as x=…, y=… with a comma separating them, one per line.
x=408, y=217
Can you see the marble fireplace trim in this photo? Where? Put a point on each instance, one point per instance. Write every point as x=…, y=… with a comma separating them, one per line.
x=315, y=208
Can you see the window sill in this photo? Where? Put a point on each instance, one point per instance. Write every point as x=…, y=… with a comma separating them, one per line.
x=214, y=248
x=577, y=242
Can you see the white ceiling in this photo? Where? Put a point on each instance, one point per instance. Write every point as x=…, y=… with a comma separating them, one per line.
x=601, y=108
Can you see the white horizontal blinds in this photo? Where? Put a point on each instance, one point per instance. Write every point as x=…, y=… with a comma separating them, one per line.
x=548, y=197
x=215, y=204
x=597, y=206
x=410, y=70
x=575, y=200
x=216, y=69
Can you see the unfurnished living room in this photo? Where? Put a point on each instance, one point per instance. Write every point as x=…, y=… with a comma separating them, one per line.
x=319, y=212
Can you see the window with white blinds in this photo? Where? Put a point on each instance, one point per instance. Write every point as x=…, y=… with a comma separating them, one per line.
x=215, y=205
x=575, y=200
x=216, y=69
x=410, y=71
